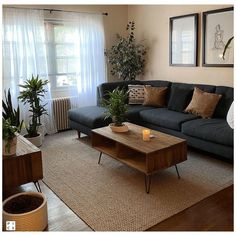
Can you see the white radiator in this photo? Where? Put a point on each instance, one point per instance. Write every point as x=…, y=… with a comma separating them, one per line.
x=60, y=109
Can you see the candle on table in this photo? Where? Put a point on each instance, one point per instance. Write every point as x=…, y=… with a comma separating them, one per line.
x=146, y=134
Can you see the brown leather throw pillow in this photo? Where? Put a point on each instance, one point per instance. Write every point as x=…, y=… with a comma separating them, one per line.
x=203, y=104
x=155, y=96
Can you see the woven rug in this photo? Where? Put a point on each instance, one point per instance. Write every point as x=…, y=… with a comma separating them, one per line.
x=112, y=197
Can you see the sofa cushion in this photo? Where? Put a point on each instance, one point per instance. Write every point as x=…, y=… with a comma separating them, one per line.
x=166, y=118
x=133, y=114
x=179, y=98
x=214, y=130
x=92, y=116
x=225, y=102
x=203, y=104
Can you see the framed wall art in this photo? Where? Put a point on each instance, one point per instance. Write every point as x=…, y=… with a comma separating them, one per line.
x=217, y=30
x=183, y=40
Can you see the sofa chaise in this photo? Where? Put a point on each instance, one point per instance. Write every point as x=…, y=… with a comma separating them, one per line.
x=211, y=135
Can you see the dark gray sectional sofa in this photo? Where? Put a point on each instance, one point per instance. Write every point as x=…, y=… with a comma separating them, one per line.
x=211, y=135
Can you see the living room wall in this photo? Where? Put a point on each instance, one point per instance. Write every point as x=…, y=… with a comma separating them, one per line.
x=152, y=25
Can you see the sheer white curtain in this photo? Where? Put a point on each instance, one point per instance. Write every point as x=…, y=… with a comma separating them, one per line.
x=89, y=43
x=24, y=54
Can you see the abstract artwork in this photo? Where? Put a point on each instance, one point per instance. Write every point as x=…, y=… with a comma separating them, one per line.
x=217, y=30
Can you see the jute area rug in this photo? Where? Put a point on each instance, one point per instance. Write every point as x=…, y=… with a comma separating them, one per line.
x=112, y=197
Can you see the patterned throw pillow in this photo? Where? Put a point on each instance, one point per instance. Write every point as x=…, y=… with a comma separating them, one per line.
x=136, y=94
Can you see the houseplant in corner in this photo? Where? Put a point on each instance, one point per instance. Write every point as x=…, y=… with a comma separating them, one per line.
x=117, y=108
x=127, y=57
x=33, y=92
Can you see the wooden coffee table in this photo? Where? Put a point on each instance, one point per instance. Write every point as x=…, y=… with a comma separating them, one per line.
x=160, y=152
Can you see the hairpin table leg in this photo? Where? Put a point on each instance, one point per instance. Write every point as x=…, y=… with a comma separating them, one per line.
x=177, y=171
x=37, y=186
x=100, y=155
x=147, y=182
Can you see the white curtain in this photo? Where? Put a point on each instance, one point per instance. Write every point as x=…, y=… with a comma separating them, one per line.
x=88, y=42
x=24, y=54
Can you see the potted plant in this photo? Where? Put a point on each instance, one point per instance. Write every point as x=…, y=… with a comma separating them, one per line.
x=33, y=92
x=9, y=136
x=11, y=125
x=127, y=58
x=117, y=108
x=9, y=113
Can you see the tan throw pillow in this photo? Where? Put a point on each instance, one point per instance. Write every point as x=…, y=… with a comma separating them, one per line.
x=155, y=96
x=203, y=104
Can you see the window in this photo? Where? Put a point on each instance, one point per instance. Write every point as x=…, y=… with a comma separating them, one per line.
x=62, y=59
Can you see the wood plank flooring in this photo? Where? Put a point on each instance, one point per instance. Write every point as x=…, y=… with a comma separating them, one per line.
x=214, y=213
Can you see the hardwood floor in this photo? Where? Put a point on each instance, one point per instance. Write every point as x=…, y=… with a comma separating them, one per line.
x=214, y=213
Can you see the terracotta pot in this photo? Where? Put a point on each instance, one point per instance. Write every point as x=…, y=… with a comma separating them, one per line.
x=12, y=150
x=37, y=141
x=34, y=220
x=119, y=129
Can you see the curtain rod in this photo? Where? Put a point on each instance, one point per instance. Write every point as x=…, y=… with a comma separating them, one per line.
x=51, y=10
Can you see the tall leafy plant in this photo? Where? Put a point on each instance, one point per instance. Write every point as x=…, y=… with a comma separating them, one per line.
x=33, y=92
x=127, y=57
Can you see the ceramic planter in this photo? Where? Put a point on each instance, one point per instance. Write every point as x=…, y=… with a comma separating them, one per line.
x=37, y=141
x=119, y=129
x=32, y=220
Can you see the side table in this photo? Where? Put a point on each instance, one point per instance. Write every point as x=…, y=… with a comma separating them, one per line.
x=26, y=166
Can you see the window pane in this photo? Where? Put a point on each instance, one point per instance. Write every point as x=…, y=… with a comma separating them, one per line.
x=63, y=34
x=65, y=80
x=62, y=66
x=64, y=50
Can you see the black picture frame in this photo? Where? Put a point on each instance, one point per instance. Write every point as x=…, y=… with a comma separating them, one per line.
x=193, y=17
x=205, y=32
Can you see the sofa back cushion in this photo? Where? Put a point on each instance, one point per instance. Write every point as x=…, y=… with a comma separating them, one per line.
x=104, y=88
x=181, y=94
x=225, y=102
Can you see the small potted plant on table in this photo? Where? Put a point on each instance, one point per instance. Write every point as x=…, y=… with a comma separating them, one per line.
x=33, y=92
x=117, y=108
x=11, y=125
x=9, y=136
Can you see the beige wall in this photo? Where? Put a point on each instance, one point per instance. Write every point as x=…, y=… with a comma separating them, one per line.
x=152, y=24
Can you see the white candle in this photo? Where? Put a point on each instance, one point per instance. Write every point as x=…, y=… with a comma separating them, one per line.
x=146, y=134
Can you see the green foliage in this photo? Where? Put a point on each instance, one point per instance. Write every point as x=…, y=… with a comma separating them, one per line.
x=127, y=57
x=116, y=105
x=33, y=92
x=9, y=132
x=226, y=47
x=9, y=113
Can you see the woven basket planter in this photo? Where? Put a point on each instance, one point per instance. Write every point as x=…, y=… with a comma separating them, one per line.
x=26, y=219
